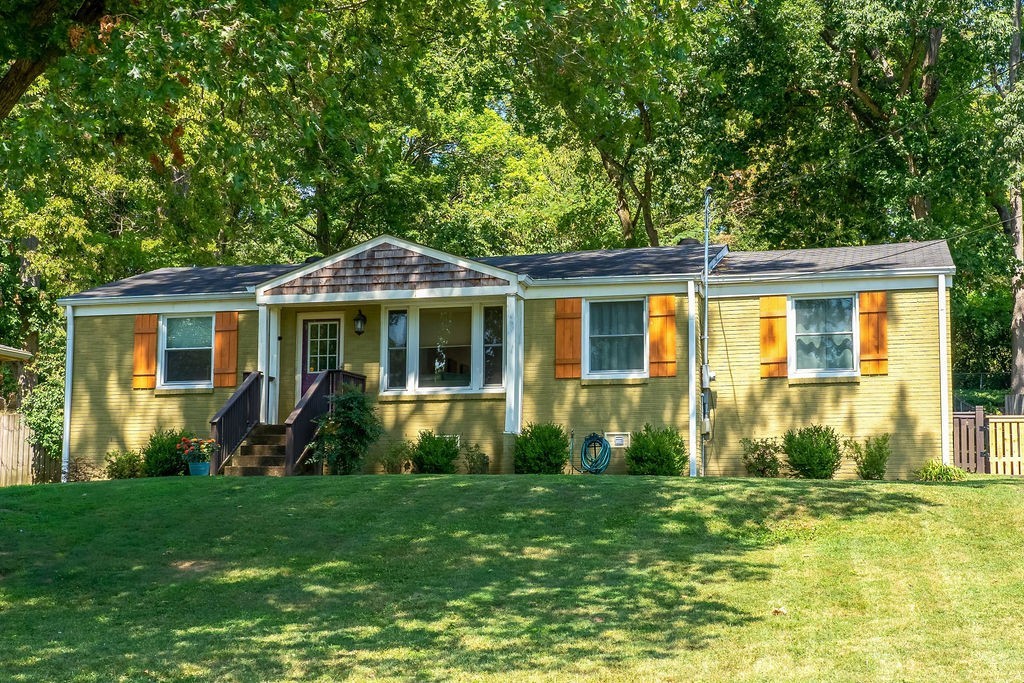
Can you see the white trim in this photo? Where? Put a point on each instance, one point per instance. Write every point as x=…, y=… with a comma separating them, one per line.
x=513, y=364
x=517, y=379
x=69, y=366
x=945, y=420
x=791, y=368
x=832, y=275
x=262, y=360
x=274, y=364
x=585, y=323
x=691, y=382
x=376, y=242
x=161, y=347
x=830, y=286
x=387, y=295
x=147, y=305
x=605, y=287
x=300, y=325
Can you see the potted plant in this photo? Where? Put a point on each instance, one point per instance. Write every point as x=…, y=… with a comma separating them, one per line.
x=196, y=452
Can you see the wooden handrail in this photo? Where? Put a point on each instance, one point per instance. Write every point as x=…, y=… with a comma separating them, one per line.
x=300, y=427
x=239, y=415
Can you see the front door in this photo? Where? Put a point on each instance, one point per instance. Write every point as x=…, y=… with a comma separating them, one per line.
x=321, y=348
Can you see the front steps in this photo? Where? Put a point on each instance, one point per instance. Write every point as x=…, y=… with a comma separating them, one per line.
x=261, y=454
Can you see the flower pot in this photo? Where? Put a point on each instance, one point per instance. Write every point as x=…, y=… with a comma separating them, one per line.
x=199, y=469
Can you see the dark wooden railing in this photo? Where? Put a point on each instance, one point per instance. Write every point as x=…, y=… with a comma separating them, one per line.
x=233, y=422
x=300, y=427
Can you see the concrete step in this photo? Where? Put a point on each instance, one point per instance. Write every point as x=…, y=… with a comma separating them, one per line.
x=270, y=439
x=269, y=429
x=262, y=449
x=237, y=471
x=257, y=461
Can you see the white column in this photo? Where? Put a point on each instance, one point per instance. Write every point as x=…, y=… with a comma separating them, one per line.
x=274, y=364
x=691, y=381
x=945, y=419
x=69, y=366
x=520, y=351
x=511, y=365
x=262, y=349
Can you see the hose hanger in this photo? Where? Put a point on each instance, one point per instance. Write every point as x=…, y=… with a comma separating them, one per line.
x=595, y=454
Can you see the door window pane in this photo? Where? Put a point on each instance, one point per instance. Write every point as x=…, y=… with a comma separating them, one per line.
x=617, y=336
x=322, y=345
x=397, y=348
x=445, y=353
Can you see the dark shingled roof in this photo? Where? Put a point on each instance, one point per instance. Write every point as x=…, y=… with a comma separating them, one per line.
x=686, y=259
x=932, y=255
x=177, y=281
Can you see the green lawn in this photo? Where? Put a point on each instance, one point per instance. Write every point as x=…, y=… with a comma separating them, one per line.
x=604, y=578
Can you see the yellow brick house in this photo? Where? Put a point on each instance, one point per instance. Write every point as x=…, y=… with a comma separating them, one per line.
x=599, y=341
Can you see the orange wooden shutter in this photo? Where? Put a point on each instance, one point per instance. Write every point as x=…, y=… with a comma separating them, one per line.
x=661, y=330
x=874, y=341
x=774, y=359
x=225, y=350
x=568, y=338
x=144, y=366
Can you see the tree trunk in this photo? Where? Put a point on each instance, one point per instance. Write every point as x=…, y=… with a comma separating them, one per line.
x=625, y=216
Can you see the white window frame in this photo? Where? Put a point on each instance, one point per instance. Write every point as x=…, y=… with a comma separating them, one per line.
x=161, y=359
x=625, y=374
x=412, y=356
x=791, y=335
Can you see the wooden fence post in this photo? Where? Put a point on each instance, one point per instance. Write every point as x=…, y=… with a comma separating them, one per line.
x=982, y=462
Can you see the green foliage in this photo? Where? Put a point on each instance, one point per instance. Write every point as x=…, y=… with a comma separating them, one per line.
x=872, y=457
x=126, y=464
x=396, y=458
x=656, y=451
x=761, y=457
x=474, y=459
x=161, y=457
x=813, y=452
x=936, y=471
x=347, y=431
x=435, y=453
x=542, y=448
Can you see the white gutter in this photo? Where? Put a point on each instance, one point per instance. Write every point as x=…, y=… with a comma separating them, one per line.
x=830, y=275
x=154, y=298
x=69, y=366
x=945, y=422
x=691, y=311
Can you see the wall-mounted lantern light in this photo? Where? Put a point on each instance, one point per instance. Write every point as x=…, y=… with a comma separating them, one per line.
x=360, y=322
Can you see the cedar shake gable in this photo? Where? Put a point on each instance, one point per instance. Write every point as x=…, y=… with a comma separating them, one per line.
x=384, y=267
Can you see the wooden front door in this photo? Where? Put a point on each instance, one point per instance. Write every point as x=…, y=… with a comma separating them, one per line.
x=321, y=348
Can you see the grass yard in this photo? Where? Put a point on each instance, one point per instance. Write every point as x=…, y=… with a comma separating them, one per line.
x=492, y=578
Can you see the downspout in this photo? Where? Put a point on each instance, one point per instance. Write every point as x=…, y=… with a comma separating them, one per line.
x=69, y=361
x=944, y=413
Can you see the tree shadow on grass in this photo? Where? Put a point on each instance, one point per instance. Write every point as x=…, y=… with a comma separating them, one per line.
x=391, y=576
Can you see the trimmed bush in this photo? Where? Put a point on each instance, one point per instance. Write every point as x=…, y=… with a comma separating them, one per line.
x=435, y=453
x=761, y=457
x=872, y=458
x=541, y=449
x=813, y=452
x=659, y=452
x=161, y=456
x=936, y=471
x=397, y=458
x=347, y=430
x=124, y=465
x=475, y=460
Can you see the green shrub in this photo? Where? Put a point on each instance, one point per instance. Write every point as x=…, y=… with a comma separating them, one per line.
x=435, y=453
x=656, y=451
x=347, y=430
x=475, y=460
x=872, y=457
x=936, y=471
x=397, y=458
x=124, y=465
x=813, y=452
x=161, y=455
x=761, y=457
x=541, y=449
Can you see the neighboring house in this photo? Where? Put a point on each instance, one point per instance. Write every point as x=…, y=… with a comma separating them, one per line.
x=599, y=341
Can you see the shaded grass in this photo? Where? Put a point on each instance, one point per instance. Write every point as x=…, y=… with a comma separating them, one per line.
x=610, y=578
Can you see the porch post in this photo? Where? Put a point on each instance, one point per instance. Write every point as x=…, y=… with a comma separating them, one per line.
x=513, y=370
x=691, y=381
x=69, y=364
x=273, y=364
x=262, y=348
x=945, y=420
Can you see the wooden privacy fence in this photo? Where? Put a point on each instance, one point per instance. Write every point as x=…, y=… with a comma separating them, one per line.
x=15, y=450
x=988, y=444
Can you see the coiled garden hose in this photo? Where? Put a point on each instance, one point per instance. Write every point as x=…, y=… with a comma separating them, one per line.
x=595, y=454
